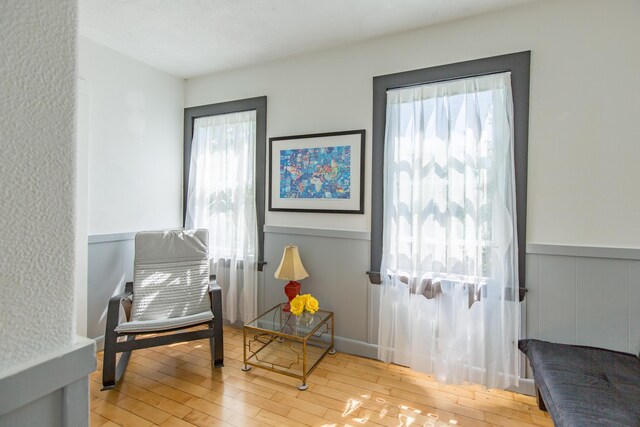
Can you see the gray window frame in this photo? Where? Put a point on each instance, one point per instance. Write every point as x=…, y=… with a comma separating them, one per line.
x=518, y=64
x=259, y=104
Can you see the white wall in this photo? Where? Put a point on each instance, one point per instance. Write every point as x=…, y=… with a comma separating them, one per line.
x=583, y=138
x=44, y=368
x=37, y=138
x=135, y=143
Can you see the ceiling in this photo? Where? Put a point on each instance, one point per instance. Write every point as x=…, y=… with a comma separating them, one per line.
x=187, y=38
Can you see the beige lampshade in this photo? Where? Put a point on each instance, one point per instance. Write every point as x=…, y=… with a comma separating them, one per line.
x=291, y=267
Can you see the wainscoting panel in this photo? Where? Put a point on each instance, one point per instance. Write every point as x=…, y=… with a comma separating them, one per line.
x=374, y=313
x=110, y=266
x=557, y=298
x=602, y=303
x=337, y=262
x=585, y=296
x=52, y=390
x=576, y=295
x=634, y=306
x=531, y=303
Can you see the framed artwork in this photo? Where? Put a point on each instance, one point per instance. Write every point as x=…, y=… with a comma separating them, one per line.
x=322, y=172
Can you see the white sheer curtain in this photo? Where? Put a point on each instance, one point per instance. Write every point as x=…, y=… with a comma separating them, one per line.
x=221, y=197
x=449, y=303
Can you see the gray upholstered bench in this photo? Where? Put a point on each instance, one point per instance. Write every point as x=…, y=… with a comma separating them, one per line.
x=585, y=386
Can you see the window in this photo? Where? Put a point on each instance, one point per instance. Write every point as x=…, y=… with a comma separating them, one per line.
x=224, y=170
x=449, y=180
x=445, y=191
x=233, y=118
x=518, y=65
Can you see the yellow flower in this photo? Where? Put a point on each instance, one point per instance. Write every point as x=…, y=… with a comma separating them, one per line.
x=297, y=305
x=303, y=302
x=311, y=304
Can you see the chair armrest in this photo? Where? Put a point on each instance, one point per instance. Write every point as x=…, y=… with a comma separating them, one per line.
x=128, y=291
x=113, y=309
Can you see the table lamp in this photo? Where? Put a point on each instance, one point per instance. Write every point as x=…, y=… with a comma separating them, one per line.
x=291, y=269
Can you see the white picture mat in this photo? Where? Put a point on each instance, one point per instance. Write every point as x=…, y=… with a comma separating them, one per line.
x=354, y=141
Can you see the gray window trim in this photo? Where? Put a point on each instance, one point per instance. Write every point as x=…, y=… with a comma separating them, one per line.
x=518, y=64
x=259, y=104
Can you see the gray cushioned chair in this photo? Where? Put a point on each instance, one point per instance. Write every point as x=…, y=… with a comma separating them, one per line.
x=171, y=291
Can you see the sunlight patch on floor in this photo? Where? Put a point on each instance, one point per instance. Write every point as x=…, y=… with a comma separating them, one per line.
x=360, y=413
x=352, y=405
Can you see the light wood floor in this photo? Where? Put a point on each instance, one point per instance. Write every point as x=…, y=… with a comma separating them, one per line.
x=176, y=386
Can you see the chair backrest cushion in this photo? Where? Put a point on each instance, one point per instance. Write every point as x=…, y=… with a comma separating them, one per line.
x=170, y=274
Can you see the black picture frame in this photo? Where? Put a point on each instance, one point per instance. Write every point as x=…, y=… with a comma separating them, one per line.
x=353, y=139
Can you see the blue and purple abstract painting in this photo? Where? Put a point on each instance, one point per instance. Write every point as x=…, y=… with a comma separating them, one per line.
x=316, y=173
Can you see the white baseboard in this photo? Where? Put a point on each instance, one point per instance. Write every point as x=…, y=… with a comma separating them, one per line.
x=358, y=348
x=99, y=343
x=527, y=386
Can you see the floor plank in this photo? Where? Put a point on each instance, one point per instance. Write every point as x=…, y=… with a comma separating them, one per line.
x=175, y=386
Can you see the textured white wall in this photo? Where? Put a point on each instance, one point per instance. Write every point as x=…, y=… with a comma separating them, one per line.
x=135, y=142
x=37, y=83
x=583, y=150
x=83, y=117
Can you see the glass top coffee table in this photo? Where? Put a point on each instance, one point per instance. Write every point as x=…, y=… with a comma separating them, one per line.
x=280, y=342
